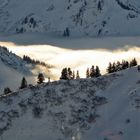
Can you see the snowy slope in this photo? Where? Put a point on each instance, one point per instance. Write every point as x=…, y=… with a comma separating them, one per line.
x=12, y=60
x=106, y=108
x=82, y=17
x=11, y=78
x=120, y=116
x=12, y=69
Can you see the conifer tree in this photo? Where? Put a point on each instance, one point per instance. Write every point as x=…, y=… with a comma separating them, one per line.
x=99, y=6
x=87, y=73
x=97, y=71
x=77, y=75
x=64, y=74
x=40, y=78
x=7, y=90
x=127, y=64
x=70, y=76
x=133, y=62
x=114, y=67
x=23, y=83
x=67, y=32
x=92, y=72
x=109, y=69
x=118, y=66
x=124, y=64
x=73, y=75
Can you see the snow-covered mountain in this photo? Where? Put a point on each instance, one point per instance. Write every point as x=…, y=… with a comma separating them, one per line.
x=13, y=68
x=74, y=17
x=12, y=60
x=106, y=108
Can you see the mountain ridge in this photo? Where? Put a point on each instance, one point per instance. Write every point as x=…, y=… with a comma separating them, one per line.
x=80, y=17
x=96, y=108
x=66, y=110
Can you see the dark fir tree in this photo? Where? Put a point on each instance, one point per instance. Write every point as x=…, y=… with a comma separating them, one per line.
x=133, y=62
x=87, y=73
x=100, y=5
x=70, y=76
x=73, y=75
x=7, y=90
x=114, y=67
x=127, y=64
x=66, y=32
x=92, y=72
x=23, y=83
x=97, y=72
x=64, y=74
x=109, y=68
x=124, y=64
x=40, y=78
x=118, y=66
x=77, y=75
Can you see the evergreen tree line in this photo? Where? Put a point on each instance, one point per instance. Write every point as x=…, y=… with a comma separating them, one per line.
x=92, y=72
x=29, y=60
x=114, y=67
x=68, y=74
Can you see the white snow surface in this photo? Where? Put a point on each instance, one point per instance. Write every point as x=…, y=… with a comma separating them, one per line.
x=12, y=70
x=82, y=17
x=106, y=108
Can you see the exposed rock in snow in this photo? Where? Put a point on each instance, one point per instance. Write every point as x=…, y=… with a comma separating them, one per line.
x=81, y=17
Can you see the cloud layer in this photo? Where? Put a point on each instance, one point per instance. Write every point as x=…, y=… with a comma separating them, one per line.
x=76, y=59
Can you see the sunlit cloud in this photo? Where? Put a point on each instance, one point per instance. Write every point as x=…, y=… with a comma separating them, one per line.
x=76, y=59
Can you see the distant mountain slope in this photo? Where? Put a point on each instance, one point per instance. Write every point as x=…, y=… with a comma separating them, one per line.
x=12, y=60
x=12, y=69
x=74, y=17
x=106, y=108
x=11, y=78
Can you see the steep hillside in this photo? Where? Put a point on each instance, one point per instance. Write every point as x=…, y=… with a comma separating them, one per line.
x=12, y=69
x=12, y=60
x=120, y=116
x=106, y=108
x=74, y=17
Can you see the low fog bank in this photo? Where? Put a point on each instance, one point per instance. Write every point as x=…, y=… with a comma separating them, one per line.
x=76, y=59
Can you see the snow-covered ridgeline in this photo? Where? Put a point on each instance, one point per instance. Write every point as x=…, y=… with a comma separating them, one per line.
x=71, y=17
